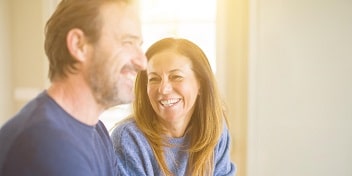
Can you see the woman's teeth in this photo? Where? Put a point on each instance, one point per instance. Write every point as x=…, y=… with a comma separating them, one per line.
x=169, y=102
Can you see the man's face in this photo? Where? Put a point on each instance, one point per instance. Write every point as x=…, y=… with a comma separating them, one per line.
x=117, y=56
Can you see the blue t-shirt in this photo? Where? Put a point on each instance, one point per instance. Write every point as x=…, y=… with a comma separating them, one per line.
x=136, y=157
x=43, y=139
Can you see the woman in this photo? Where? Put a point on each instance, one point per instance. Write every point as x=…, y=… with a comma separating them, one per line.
x=179, y=126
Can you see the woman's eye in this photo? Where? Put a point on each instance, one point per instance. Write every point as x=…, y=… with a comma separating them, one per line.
x=152, y=79
x=176, y=77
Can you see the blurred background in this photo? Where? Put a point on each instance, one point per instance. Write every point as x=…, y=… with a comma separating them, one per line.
x=284, y=68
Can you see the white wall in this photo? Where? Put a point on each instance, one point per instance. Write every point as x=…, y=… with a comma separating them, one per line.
x=5, y=63
x=300, y=88
x=23, y=67
x=27, y=50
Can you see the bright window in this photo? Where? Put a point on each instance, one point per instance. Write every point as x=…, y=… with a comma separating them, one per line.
x=190, y=19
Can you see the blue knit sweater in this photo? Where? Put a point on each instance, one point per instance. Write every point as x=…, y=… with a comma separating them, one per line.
x=136, y=157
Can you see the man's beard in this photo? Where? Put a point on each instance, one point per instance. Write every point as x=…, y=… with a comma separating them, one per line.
x=105, y=90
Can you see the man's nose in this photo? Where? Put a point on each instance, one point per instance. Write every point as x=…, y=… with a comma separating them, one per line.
x=140, y=61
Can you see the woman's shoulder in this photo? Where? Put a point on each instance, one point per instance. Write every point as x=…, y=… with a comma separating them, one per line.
x=225, y=134
x=128, y=122
x=126, y=136
x=125, y=126
x=126, y=130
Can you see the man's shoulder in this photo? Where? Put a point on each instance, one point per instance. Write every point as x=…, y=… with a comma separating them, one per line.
x=26, y=119
x=38, y=145
x=33, y=128
x=38, y=114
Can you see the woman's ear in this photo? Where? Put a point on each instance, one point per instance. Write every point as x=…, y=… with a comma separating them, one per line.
x=76, y=43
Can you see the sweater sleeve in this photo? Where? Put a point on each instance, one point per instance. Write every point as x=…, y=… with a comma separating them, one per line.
x=223, y=164
x=134, y=155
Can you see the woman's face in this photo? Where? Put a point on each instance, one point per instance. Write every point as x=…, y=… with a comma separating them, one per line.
x=172, y=88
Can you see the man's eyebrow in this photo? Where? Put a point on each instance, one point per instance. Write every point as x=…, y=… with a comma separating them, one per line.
x=132, y=37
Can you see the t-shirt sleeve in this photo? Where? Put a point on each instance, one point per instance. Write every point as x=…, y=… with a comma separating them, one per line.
x=44, y=152
x=223, y=164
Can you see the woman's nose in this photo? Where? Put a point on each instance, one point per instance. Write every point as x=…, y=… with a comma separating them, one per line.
x=165, y=87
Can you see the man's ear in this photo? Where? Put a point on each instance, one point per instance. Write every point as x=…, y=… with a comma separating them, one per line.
x=76, y=44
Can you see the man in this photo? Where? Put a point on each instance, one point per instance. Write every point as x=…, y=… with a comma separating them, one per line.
x=93, y=47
